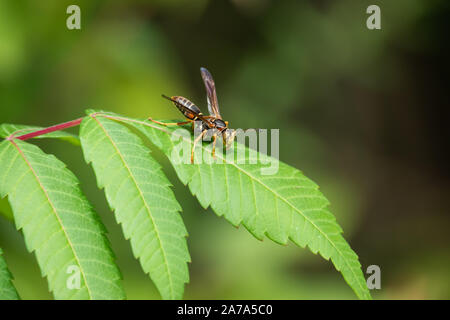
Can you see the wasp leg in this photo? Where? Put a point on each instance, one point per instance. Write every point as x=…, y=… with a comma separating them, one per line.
x=195, y=142
x=170, y=123
x=219, y=131
x=230, y=139
x=214, y=146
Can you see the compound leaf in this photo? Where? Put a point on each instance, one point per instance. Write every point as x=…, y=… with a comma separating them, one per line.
x=139, y=193
x=58, y=224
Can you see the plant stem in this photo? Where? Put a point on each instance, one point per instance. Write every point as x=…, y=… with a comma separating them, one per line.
x=54, y=128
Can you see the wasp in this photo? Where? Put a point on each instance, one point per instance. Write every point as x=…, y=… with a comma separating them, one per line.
x=193, y=113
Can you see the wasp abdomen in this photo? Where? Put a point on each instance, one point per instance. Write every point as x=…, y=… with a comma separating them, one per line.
x=189, y=109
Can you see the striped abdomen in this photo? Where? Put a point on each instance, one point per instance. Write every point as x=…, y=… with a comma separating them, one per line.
x=190, y=110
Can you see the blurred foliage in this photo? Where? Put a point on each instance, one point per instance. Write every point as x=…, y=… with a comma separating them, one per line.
x=361, y=112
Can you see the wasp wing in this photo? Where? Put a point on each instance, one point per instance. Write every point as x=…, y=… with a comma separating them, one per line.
x=213, y=105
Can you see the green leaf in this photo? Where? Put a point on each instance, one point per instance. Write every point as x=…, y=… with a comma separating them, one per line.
x=58, y=224
x=7, y=289
x=138, y=191
x=7, y=129
x=283, y=206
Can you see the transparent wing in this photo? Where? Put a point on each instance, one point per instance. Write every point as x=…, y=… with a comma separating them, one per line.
x=213, y=106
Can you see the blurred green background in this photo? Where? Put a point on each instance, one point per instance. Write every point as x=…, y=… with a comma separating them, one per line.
x=363, y=113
